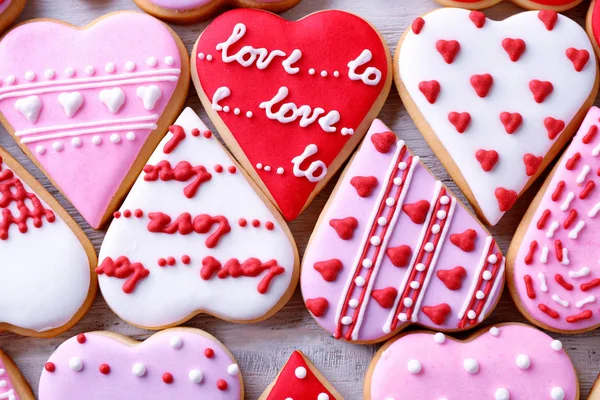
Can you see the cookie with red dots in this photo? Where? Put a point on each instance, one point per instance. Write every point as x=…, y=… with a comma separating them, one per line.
x=195, y=232
x=13, y=385
x=180, y=363
x=496, y=100
x=552, y=261
x=408, y=252
x=553, y=5
x=299, y=379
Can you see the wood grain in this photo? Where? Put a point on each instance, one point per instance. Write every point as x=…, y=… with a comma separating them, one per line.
x=263, y=348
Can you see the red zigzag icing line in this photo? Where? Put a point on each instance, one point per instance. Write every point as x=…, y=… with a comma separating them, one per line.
x=122, y=268
x=251, y=268
x=184, y=225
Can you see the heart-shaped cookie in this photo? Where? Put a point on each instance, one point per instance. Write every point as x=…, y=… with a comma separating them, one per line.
x=553, y=258
x=13, y=385
x=195, y=232
x=406, y=251
x=69, y=98
x=47, y=261
x=180, y=363
x=9, y=11
x=511, y=361
x=299, y=379
x=554, y=5
x=190, y=11
x=524, y=82
x=291, y=99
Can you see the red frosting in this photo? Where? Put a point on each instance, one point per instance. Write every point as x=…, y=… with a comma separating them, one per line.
x=430, y=89
x=329, y=269
x=344, y=227
x=482, y=84
x=417, y=212
x=460, y=121
x=178, y=135
x=122, y=268
x=448, y=49
x=383, y=142
x=364, y=185
x=452, y=278
x=465, y=241
x=487, y=159
x=184, y=225
x=511, y=121
x=514, y=47
x=182, y=172
x=251, y=268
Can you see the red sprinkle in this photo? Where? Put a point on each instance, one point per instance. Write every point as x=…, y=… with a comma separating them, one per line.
x=269, y=225
x=558, y=191
x=105, y=369
x=562, y=282
x=207, y=134
x=162, y=262
x=117, y=214
x=218, y=168
x=572, y=162
x=167, y=378
x=558, y=249
x=81, y=338
x=590, y=135
x=185, y=259
x=209, y=353
x=221, y=384
x=587, y=190
x=138, y=213
x=548, y=311
x=232, y=169
x=529, y=286
x=242, y=222
x=542, y=221
x=570, y=219
x=127, y=213
x=195, y=132
x=255, y=223
x=529, y=256
x=50, y=367
x=171, y=261
x=590, y=285
x=417, y=25
x=587, y=314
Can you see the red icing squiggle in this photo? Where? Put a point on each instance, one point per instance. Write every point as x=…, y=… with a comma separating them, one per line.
x=183, y=172
x=251, y=268
x=122, y=268
x=184, y=225
x=178, y=135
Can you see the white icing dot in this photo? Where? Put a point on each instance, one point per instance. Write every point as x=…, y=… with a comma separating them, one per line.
x=323, y=396
x=110, y=68
x=130, y=136
x=413, y=366
x=280, y=170
x=435, y=229
x=169, y=60
x=76, y=142
x=176, y=342
x=420, y=267
x=49, y=74
x=472, y=314
x=58, y=146
x=397, y=181
x=97, y=140
x=402, y=166
x=439, y=338
x=129, y=66
x=226, y=109
x=353, y=303
x=29, y=75
x=375, y=240
x=408, y=302
x=382, y=221
x=259, y=166
x=492, y=259
x=428, y=247
x=324, y=74
x=2, y=371
x=480, y=295
x=360, y=281
x=487, y=275
x=494, y=331
x=201, y=56
x=471, y=365
x=249, y=114
x=151, y=61
x=523, y=361
x=3, y=383
x=196, y=376
x=76, y=364
x=300, y=372
x=336, y=74
x=69, y=71
x=138, y=370
x=311, y=71
x=209, y=57
x=367, y=263
x=415, y=285
x=402, y=317
x=390, y=201
x=233, y=369
x=11, y=79
x=237, y=111
x=556, y=345
x=444, y=200
x=115, y=138
x=40, y=149
x=346, y=320
x=267, y=168
x=441, y=214
x=557, y=393
x=501, y=394
x=90, y=70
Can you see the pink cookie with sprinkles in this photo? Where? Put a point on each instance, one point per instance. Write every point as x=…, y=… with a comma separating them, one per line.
x=394, y=247
x=180, y=363
x=13, y=385
x=495, y=100
x=553, y=258
x=507, y=362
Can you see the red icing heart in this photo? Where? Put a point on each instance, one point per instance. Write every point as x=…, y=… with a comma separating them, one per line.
x=478, y=18
x=549, y=18
x=437, y=314
x=344, y=227
x=385, y=297
x=532, y=163
x=417, y=25
x=430, y=89
x=452, y=278
x=482, y=84
x=511, y=121
x=514, y=47
x=460, y=121
x=318, y=307
x=383, y=142
x=329, y=269
x=578, y=57
x=540, y=89
x=364, y=185
x=297, y=71
x=448, y=49
x=487, y=159
x=506, y=198
x=417, y=212
x=554, y=127
x=399, y=256
x=465, y=241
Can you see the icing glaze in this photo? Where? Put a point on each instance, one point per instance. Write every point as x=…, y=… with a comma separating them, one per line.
x=111, y=366
x=283, y=85
x=394, y=247
x=85, y=87
x=194, y=232
x=558, y=250
x=536, y=90
x=45, y=288
x=501, y=372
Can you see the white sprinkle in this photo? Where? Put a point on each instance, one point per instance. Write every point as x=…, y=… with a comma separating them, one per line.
x=560, y=301
x=471, y=365
x=592, y=213
x=40, y=149
x=324, y=74
x=501, y=394
x=444, y=200
x=58, y=146
x=472, y=314
x=413, y=366
x=323, y=396
x=479, y=295
x=353, y=303
x=543, y=285
x=565, y=254
x=360, y=281
x=523, y=361
x=249, y=114
x=336, y=74
x=397, y=181
x=110, y=68
x=557, y=393
x=587, y=300
x=226, y=109
x=428, y=247
x=441, y=214
x=435, y=229
x=115, y=138
x=196, y=376
x=346, y=320
x=583, y=174
x=259, y=166
x=169, y=60
x=492, y=259
x=439, y=338
x=544, y=256
x=209, y=57
x=415, y=285
x=553, y=227
x=89, y=70
x=565, y=205
x=575, y=232
x=487, y=275
x=280, y=170
x=420, y=267
x=176, y=342
x=151, y=61
x=367, y=263
x=49, y=74
x=402, y=166
x=3, y=383
x=390, y=201
x=69, y=72
x=138, y=369
x=494, y=331
x=76, y=364
x=556, y=345
x=382, y=221
x=29, y=75
x=584, y=271
x=300, y=372
x=130, y=136
x=237, y=111
x=76, y=142
x=97, y=140
x=311, y=71
x=201, y=56
x=375, y=240
x=129, y=66
x=268, y=168
x=11, y=79
x=407, y=302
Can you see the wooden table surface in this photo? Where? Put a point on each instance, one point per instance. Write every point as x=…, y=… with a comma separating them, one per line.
x=261, y=349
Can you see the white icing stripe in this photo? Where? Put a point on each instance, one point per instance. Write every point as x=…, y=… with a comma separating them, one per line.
x=543, y=284
x=553, y=227
x=388, y=324
x=560, y=301
x=490, y=296
x=94, y=85
x=25, y=132
x=594, y=210
x=131, y=127
x=582, y=175
x=438, y=250
x=475, y=280
x=565, y=205
x=584, y=271
x=544, y=256
x=575, y=232
x=587, y=300
x=390, y=229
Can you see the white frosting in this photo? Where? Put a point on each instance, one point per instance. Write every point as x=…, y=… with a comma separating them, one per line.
x=309, y=173
x=149, y=95
x=71, y=102
x=30, y=107
x=371, y=75
x=113, y=99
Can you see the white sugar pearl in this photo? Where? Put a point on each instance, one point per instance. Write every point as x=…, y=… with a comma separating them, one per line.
x=367, y=263
x=435, y=229
x=375, y=240
x=413, y=366
x=323, y=396
x=76, y=142
x=267, y=168
x=408, y=302
x=138, y=369
x=97, y=140
x=390, y=201
x=196, y=376
x=226, y=109
x=557, y=393
x=311, y=71
x=280, y=170
x=397, y=181
x=353, y=303
x=237, y=111
x=336, y=74
x=129, y=66
x=480, y=295
x=471, y=314
x=300, y=372
x=58, y=146
x=249, y=114
x=360, y=281
x=523, y=361
x=487, y=275
x=556, y=345
x=415, y=285
x=444, y=200
x=3, y=383
x=115, y=138
x=382, y=221
x=494, y=331
x=110, y=68
x=471, y=365
x=492, y=259
x=69, y=72
x=201, y=56
x=29, y=75
x=428, y=247
x=420, y=267
x=130, y=136
x=89, y=70
x=346, y=320
x=324, y=74
x=402, y=317
x=501, y=394
x=151, y=61
x=76, y=364
x=40, y=149
x=259, y=166
x=50, y=74
x=176, y=342
x=441, y=214
x=169, y=60
x=439, y=338
x=11, y=79
x=209, y=57
x=402, y=166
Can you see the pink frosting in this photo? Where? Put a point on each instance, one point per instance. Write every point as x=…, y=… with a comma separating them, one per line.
x=572, y=304
x=182, y=5
x=87, y=171
x=523, y=361
x=326, y=245
x=7, y=388
x=181, y=353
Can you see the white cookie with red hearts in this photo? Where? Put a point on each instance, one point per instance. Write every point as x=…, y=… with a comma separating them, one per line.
x=555, y=5
x=195, y=233
x=496, y=100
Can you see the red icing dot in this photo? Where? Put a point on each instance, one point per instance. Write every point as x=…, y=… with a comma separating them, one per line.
x=195, y=132
x=532, y=163
x=554, y=127
x=511, y=121
x=221, y=384
x=549, y=18
x=162, y=262
x=81, y=338
x=138, y=213
x=218, y=168
x=318, y=307
x=514, y=47
x=578, y=57
x=50, y=367
x=269, y=225
x=430, y=89
x=385, y=297
x=209, y=353
x=127, y=213
x=171, y=261
x=540, y=89
x=506, y=198
x=232, y=169
x=242, y=222
x=117, y=214
x=207, y=134
x=167, y=378
x=461, y=121
x=185, y=259
x=478, y=18
x=487, y=159
x=448, y=49
x=255, y=223
x=417, y=25
x=104, y=368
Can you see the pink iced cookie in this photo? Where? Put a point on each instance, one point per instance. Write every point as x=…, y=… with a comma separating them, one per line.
x=179, y=363
x=553, y=259
x=512, y=361
x=394, y=247
x=89, y=104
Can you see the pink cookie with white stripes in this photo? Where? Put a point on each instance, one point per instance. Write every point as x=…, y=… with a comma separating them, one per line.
x=507, y=362
x=554, y=275
x=394, y=247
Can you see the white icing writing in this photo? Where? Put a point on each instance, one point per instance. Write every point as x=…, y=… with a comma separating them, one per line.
x=287, y=63
x=309, y=173
x=371, y=76
x=247, y=55
x=219, y=95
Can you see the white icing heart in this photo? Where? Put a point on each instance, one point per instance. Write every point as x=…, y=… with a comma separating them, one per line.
x=71, y=102
x=113, y=99
x=30, y=107
x=149, y=95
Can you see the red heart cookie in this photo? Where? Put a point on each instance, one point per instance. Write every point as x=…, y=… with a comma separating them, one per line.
x=496, y=100
x=291, y=99
x=554, y=5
